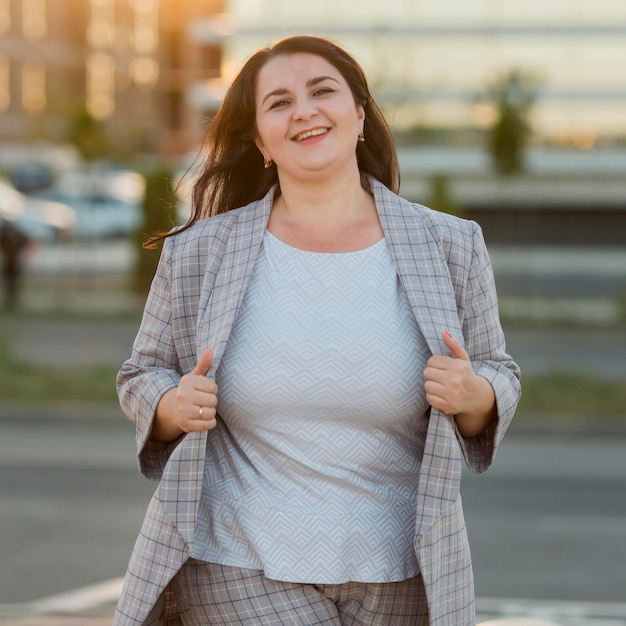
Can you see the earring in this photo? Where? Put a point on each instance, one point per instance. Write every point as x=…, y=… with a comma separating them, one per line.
x=267, y=163
x=361, y=136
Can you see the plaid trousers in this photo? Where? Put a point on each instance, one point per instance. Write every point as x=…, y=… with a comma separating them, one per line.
x=208, y=593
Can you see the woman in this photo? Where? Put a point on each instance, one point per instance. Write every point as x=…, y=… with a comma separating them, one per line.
x=310, y=369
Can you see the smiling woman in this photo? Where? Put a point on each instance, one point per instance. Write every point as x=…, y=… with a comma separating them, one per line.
x=316, y=356
x=303, y=101
x=308, y=123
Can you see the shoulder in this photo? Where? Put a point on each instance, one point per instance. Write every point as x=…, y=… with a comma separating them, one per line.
x=446, y=228
x=415, y=219
x=210, y=235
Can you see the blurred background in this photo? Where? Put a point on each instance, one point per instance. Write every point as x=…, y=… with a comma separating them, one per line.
x=511, y=114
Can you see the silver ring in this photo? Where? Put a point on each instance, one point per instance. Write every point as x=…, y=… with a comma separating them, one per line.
x=200, y=413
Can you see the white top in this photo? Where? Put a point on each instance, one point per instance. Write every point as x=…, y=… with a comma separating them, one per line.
x=311, y=473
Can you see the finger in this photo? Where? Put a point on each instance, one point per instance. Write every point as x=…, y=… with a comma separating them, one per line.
x=436, y=363
x=204, y=363
x=204, y=414
x=457, y=351
x=437, y=401
x=434, y=389
x=199, y=425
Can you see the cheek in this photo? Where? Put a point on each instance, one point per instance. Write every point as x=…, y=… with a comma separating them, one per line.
x=270, y=134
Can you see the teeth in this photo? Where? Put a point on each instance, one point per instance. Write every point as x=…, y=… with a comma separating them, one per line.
x=310, y=133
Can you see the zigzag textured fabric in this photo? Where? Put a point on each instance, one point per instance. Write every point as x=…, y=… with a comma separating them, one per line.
x=321, y=395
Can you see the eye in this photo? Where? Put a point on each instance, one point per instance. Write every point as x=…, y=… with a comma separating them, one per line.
x=278, y=104
x=323, y=91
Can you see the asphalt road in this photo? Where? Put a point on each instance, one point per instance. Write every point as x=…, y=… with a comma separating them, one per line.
x=71, y=503
x=548, y=521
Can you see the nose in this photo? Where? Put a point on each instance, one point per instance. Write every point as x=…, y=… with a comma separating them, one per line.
x=305, y=108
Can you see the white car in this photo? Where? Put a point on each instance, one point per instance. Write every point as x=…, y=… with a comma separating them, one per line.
x=38, y=219
x=106, y=206
x=99, y=216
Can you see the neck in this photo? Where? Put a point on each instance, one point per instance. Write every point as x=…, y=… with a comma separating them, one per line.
x=332, y=201
x=336, y=216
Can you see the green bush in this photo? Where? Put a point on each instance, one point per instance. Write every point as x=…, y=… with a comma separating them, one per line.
x=159, y=208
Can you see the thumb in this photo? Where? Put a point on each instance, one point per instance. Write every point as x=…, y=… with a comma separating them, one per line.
x=204, y=363
x=457, y=351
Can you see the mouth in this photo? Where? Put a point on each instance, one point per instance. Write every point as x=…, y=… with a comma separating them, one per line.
x=315, y=132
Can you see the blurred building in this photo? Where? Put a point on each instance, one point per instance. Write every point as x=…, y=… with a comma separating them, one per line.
x=128, y=63
x=429, y=60
x=154, y=71
x=189, y=66
x=428, y=63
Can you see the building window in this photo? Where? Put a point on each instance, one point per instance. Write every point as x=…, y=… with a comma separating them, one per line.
x=33, y=88
x=144, y=71
x=146, y=27
x=34, y=19
x=101, y=30
x=5, y=15
x=100, y=85
x=5, y=84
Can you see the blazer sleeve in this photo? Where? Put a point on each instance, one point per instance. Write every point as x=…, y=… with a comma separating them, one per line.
x=152, y=369
x=486, y=346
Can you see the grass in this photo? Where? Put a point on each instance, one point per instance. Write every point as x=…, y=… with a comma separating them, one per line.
x=573, y=394
x=25, y=382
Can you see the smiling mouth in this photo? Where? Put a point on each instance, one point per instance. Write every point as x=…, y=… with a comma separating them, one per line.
x=310, y=133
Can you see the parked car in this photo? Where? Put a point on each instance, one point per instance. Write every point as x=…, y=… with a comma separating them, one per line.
x=38, y=219
x=99, y=216
x=106, y=205
x=31, y=176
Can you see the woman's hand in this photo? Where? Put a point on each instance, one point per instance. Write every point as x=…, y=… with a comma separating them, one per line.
x=452, y=387
x=192, y=406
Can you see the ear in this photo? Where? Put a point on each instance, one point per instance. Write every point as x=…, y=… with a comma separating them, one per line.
x=261, y=147
x=360, y=113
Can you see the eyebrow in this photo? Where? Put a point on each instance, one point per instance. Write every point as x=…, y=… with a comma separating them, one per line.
x=309, y=83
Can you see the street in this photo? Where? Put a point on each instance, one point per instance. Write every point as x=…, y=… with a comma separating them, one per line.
x=548, y=521
x=71, y=502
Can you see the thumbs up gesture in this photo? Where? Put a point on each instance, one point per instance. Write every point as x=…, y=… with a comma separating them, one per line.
x=196, y=397
x=189, y=407
x=452, y=387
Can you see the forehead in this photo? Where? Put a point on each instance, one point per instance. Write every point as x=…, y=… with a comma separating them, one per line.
x=287, y=70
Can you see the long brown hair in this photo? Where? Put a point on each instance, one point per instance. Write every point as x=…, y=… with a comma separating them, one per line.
x=232, y=172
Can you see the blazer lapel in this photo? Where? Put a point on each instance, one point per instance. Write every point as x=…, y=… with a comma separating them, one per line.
x=422, y=268
x=219, y=303
x=424, y=275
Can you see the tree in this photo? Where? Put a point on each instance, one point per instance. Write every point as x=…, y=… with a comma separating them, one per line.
x=513, y=96
x=88, y=136
x=159, y=206
x=441, y=197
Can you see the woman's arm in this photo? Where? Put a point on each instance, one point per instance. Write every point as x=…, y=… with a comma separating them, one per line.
x=482, y=419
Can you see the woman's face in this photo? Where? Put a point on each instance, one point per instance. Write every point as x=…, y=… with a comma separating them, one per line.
x=307, y=119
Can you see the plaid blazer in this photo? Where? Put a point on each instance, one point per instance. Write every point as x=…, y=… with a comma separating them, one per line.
x=198, y=288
